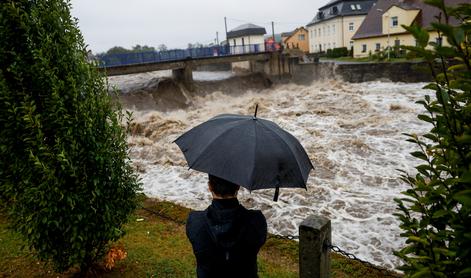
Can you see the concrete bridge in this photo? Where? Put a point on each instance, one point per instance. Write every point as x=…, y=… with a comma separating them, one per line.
x=270, y=62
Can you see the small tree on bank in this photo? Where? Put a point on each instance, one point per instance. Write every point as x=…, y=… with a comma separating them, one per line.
x=65, y=177
x=435, y=214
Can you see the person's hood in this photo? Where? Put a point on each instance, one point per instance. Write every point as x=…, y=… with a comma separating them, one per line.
x=224, y=218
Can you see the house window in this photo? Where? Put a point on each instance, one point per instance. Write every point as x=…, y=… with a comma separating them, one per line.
x=335, y=10
x=243, y=43
x=358, y=7
x=439, y=41
x=328, y=30
x=328, y=46
x=333, y=45
x=353, y=7
x=315, y=33
x=301, y=37
x=363, y=48
x=394, y=21
x=319, y=32
x=323, y=30
x=234, y=42
x=333, y=29
x=350, y=26
x=378, y=47
x=397, y=43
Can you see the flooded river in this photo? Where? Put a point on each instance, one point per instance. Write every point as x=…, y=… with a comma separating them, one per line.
x=351, y=132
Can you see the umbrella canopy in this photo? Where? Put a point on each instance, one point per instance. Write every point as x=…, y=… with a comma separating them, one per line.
x=248, y=151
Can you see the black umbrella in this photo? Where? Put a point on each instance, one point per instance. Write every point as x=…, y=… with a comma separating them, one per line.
x=248, y=151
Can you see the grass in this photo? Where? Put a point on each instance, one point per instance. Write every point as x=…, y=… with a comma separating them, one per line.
x=158, y=247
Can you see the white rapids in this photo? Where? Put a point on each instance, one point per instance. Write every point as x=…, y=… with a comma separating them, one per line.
x=351, y=132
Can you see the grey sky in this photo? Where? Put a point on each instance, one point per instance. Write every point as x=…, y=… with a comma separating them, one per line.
x=108, y=23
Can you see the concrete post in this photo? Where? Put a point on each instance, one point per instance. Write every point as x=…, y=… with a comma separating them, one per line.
x=314, y=257
x=184, y=75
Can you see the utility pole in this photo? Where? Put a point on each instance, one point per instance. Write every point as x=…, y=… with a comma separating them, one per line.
x=273, y=35
x=225, y=25
x=273, y=31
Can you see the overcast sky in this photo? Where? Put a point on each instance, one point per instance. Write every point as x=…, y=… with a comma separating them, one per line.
x=175, y=23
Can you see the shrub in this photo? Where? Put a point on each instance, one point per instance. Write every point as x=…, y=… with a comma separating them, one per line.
x=435, y=211
x=337, y=52
x=65, y=176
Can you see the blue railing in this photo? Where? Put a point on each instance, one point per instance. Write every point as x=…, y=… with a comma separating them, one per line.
x=123, y=59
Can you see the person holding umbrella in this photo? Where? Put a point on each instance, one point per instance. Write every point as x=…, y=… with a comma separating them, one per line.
x=226, y=237
x=238, y=150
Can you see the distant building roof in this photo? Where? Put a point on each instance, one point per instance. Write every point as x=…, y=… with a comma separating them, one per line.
x=372, y=26
x=246, y=30
x=294, y=32
x=287, y=34
x=336, y=8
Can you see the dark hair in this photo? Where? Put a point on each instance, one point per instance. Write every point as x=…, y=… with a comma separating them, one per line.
x=222, y=187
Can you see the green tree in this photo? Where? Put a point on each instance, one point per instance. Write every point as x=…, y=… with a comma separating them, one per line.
x=435, y=212
x=65, y=176
x=117, y=50
x=162, y=47
x=142, y=48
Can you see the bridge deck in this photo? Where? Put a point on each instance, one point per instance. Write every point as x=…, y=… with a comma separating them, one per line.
x=184, y=63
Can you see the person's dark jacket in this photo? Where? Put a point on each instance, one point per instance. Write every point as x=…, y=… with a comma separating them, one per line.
x=226, y=238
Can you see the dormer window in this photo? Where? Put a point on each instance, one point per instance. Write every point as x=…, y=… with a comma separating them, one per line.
x=335, y=10
x=353, y=7
x=358, y=6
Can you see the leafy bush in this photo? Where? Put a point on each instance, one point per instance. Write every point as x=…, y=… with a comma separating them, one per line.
x=338, y=52
x=435, y=212
x=65, y=176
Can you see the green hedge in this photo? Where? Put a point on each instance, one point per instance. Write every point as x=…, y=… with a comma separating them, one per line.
x=338, y=52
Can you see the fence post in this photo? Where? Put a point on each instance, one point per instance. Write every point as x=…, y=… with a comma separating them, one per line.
x=314, y=259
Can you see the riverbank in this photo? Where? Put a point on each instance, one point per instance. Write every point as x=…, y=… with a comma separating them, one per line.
x=158, y=247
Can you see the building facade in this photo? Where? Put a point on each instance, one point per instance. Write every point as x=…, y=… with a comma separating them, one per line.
x=382, y=27
x=335, y=24
x=297, y=39
x=246, y=38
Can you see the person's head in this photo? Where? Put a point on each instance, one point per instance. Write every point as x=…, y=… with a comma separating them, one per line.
x=221, y=188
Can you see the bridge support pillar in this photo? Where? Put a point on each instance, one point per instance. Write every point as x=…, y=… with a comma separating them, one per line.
x=185, y=76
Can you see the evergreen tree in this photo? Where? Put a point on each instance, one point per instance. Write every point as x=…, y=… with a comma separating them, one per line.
x=65, y=176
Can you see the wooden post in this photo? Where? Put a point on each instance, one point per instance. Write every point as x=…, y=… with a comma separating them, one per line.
x=314, y=256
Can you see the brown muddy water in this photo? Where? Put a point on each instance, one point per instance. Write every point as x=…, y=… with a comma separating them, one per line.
x=351, y=132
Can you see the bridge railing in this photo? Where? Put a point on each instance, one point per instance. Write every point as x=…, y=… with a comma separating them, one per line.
x=134, y=58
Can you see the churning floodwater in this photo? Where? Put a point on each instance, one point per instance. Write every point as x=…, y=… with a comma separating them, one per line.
x=351, y=132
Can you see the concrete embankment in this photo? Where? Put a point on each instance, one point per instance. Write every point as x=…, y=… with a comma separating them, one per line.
x=407, y=72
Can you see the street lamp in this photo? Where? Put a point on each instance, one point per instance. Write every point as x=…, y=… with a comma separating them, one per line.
x=388, y=23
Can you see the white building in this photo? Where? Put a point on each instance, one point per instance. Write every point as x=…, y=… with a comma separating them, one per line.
x=246, y=38
x=335, y=24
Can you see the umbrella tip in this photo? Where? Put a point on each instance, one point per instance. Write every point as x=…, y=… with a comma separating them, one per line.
x=256, y=109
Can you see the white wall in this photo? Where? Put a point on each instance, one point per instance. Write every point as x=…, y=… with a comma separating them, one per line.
x=245, y=44
x=333, y=33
